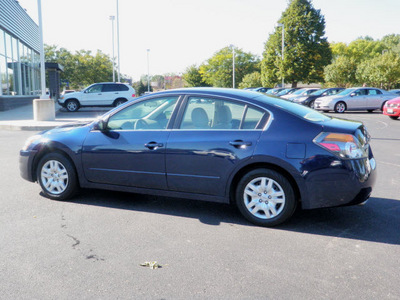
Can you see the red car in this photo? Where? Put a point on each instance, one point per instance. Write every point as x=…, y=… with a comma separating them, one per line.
x=392, y=108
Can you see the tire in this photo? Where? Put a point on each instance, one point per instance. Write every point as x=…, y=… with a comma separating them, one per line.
x=370, y=110
x=265, y=197
x=118, y=102
x=57, y=177
x=393, y=117
x=383, y=105
x=72, y=105
x=340, y=107
x=311, y=104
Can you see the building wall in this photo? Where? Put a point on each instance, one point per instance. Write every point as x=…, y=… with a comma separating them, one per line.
x=19, y=52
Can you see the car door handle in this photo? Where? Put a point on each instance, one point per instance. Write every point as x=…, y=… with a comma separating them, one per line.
x=153, y=145
x=240, y=144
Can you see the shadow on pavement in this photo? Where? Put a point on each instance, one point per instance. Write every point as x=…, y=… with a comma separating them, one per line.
x=377, y=221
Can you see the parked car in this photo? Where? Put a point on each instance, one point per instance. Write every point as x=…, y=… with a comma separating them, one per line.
x=395, y=91
x=98, y=94
x=287, y=92
x=261, y=89
x=392, y=108
x=300, y=93
x=264, y=154
x=274, y=91
x=308, y=100
x=363, y=98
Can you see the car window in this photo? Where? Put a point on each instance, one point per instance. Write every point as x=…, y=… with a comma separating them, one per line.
x=361, y=92
x=110, y=87
x=95, y=88
x=122, y=87
x=152, y=114
x=374, y=92
x=208, y=113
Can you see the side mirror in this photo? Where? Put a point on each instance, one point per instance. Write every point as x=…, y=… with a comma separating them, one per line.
x=352, y=94
x=324, y=94
x=101, y=125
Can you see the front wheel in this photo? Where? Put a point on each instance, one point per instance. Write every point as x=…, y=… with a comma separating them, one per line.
x=57, y=176
x=340, y=107
x=72, y=105
x=394, y=117
x=311, y=104
x=265, y=197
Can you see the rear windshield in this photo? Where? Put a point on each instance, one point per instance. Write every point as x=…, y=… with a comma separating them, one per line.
x=296, y=109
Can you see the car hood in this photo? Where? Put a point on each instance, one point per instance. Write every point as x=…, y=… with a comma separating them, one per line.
x=328, y=98
x=395, y=100
x=72, y=95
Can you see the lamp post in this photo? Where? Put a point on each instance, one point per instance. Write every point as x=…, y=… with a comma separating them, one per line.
x=112, y=18
x=119, y=63
x=283, y=48
x=42, y=66
x=148, y=71
x=233, y=65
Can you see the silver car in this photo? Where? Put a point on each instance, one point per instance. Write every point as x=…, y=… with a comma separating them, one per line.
x=362, y=98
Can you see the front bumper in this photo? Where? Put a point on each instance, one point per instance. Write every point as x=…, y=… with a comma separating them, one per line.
x=26, y=159
x=392, y=111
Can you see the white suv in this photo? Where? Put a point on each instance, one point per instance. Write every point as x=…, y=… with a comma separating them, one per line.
x=98, y=94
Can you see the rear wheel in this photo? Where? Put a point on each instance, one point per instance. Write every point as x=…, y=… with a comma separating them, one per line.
x=340, y=107
x=265, y=197
x=119, y=102
x=57, y=176
x=72, y=105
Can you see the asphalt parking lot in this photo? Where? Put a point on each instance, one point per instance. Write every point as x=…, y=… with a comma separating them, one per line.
x=92, y=247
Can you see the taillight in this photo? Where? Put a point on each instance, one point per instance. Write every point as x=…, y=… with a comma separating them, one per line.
x=341, y=144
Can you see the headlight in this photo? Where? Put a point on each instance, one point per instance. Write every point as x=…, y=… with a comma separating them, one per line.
x=30, y=140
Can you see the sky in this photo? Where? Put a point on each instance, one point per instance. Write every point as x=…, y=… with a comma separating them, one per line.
x=180, y=33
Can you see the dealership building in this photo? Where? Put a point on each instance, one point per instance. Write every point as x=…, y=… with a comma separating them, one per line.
x=19, y=56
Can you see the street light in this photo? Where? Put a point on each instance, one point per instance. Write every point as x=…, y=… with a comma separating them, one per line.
x=233, y=65
x=112, y=18
x=283, y=48
x=148, y=72
x=119, y=63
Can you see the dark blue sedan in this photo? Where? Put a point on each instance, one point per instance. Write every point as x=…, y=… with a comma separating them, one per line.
x=263, y=154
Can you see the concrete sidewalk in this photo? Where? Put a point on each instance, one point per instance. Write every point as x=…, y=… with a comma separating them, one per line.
x=21, y=118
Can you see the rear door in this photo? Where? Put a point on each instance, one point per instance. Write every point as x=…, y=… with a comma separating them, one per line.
x=212, y=137
x=374, y=99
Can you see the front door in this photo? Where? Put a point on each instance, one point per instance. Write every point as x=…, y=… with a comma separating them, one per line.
x=131, y=151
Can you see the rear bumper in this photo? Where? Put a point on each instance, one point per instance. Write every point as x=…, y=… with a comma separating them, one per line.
x=347, y=182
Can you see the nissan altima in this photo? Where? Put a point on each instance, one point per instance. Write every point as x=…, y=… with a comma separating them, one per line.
x=265, y=155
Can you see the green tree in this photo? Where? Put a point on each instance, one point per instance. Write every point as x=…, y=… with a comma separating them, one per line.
x=82, y=68
x=382, y=71
x=251, y=80
x=306, y=49
x=217, y=71
x=193, y=78
x=341, y=73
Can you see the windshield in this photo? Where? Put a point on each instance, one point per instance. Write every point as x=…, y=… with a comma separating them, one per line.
x=319, y=92
x=298, y=92
x=345, y=92
x=285, y=91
